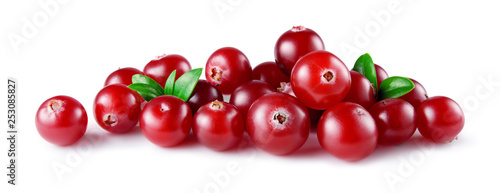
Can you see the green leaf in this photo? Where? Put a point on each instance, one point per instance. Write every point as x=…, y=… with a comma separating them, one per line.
x=139, y=78
x=364, y=65
x=169, y=85
x=394, y=87
x=147, y=91
x=185, y=84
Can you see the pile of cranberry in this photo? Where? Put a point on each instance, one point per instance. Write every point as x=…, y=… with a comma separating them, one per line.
x=276, y=103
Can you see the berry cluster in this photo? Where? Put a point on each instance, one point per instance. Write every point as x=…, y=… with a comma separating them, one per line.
x=276, y=103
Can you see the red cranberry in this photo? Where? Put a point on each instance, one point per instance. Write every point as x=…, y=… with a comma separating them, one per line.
x=320, y=80
x=203, y=93
x=293, y=44
x=347, y=131
x=314, y=114
x=416, y=96
x=243, y=96
x=396, y=121
x=161, y=67
x=218, y=125
x=270, y=73
x=61, y=120
x=117, y=108
x=278, y=123
x=440, y=119
x=227, y=68
x=122, y=76
x=361, y=91
x=381, y=74
x=166, y=120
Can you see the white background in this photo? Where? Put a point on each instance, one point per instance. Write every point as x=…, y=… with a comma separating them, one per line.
x=449, y=46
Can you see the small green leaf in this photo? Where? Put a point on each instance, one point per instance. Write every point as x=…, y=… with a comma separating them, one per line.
x=147, y=91
x=185, y=84
x=139, y=78
x=169, y=85
x=394, y=87
x=364, y=65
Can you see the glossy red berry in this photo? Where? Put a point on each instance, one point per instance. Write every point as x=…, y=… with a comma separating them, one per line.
x=361, y=91
x=122, y=76
x=396, y=121
x=270, y=73
x=381, y=74
x=227, y=68
x=347, y=131
x=278, y=123
x=416, y=96
x=293, y=44
x=314, y=114
x=320, y=80
x=243, y=96
x=161, y=67
x=117, y=108
x=203, y=93
x=61, y=120
x=440, y=119
x=218, y=125
x=166, y=120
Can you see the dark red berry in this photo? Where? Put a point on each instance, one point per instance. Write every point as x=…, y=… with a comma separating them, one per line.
x=61, y=120
x=396, y=121
x=347, y=131
x=270, y=73
x=122, y=76
x=293, y=44
x=416, y=96
x=227, y=68
x=161, y=67
x=243, y=96
x=218, y=125
x=440, y=119
x=166, y=120
x=320, y=80
x=278, y=123
x=203, y=93
x=361, y=91
x=381, y=74
x=117, y=108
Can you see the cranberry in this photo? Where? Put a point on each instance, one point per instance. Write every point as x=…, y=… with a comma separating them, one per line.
x=61, y=120
x=396, y=121
x=440, y=119
x=243, y=96
x=381, y=74
x=293, y=44
x=314, y=114
x=166, y=120
x=361, y=91
x=227, y=68
x=278, y=123
x=161, y=67
x=117, y=108
x=416, y=96
x=218, y=125
x=203, y=93
x=320, y=80
x=122, y=76
x=270, y=73
x=347, y=131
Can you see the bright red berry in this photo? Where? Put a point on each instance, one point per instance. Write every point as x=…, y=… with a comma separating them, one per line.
x=243, y=96
x=396, y=121
x=320, y=80
x=161, y=67
x=416, y=96
x=218, y=125
x=166, y=120
x=61, y=120
x=117, y=108
x=293, y=44
x=203, y=93
x=227, y=68
x=381, y=74
x=361, y=91
x=278, y=123
x=122, y=76
x=270, y=73
x=347, y=131
x=440, y=119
